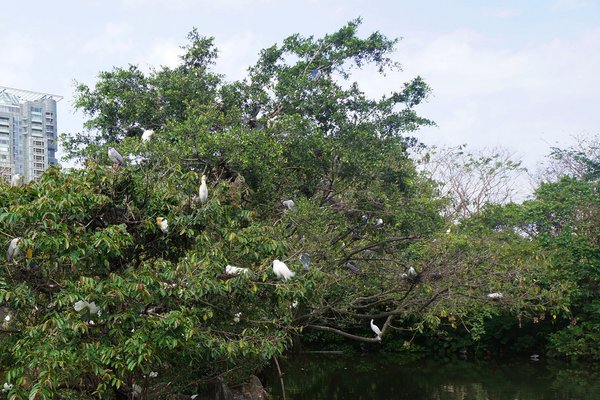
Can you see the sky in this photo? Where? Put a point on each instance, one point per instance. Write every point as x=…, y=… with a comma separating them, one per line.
x=524, y=75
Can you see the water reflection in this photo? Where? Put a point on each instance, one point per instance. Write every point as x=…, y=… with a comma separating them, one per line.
x=387, y=377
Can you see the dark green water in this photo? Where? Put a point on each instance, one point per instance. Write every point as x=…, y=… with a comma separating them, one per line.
x=331, y=377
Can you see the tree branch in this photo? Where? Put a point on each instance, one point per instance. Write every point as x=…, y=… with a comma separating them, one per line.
x=344, y=334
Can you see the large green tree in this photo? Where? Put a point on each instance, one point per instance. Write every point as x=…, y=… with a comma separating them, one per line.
x=297, y=128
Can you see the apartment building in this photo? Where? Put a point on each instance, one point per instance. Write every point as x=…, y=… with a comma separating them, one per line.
x=28, y=133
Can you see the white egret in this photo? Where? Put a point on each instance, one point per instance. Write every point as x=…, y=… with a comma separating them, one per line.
x=13, y=249
x=448, y=231
x=378, y=223
x=236, y=317
x=163, y=224
x=203, y=190
x=282, y=271
x=115, y=157
x=376, y=330
x=15, y=180
x=495, y=296
x=82, y=304
x=295, y=304
x=411, y=272
x=94, y=309
x=231, y=270
x=289, y=204
x=136, y=390
x=7, y=318
x=147, y=135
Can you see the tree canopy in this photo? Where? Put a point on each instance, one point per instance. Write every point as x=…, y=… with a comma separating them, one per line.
x=100, y=299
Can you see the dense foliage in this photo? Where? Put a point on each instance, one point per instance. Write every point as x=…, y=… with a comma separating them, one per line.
x=161, y=315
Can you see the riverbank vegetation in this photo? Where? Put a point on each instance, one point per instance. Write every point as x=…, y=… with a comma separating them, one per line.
x=103, y=298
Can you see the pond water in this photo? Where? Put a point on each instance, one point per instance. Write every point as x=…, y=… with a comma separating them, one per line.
x=331, y=377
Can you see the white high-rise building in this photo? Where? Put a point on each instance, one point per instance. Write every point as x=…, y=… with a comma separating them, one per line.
x=27, y=133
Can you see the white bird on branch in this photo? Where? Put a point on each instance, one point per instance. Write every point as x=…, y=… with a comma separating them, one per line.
x=231, y=270
x=289, y=204
x=163, y=224
x=92, y=307
x=376, y=330
x=495, y=296
x=282, y=271
x=147, y=135
x=15, y=180
x=13, y=249
x=203, y=192
x=115, y=157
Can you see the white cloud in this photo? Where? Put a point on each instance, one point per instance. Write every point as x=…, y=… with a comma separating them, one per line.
x=165, y=53
x=18, y=57
x=232, y=5
x=524, y=98
x=569, y=4
x=236, y=52
x=502, y=13
x=116, y=38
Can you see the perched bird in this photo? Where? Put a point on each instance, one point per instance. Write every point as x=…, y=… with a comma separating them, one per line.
x=315, y=74
x=13, y=249
x=147, y=135
x=231, y=270
x=411, y=272
x=289, y=204
x=376, y=330
x=203, y=190
x=378, y=223
x=115, y=157
x=351, y=265
x=294, y=304
x=82, y=304
x=94, y=309
x=7, y=387
x=163, y=224
x=448, y=231
x=136, y=390
x=15, y=180
x=495, y=296
x=282, y=271
x=305, y=260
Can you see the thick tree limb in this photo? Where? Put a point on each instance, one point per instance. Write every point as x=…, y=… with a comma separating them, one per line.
x=344, y=334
